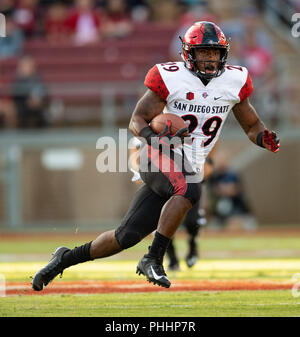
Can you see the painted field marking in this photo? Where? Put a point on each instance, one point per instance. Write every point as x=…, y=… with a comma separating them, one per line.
x=2, y=286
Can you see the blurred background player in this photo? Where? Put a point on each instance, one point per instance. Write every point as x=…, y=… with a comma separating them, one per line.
x=229, y=206
x=193, y=222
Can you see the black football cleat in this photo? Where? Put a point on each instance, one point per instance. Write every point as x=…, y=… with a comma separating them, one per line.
x=193, y=255
x=191, y=260
x=50, y=271
x=153, y=270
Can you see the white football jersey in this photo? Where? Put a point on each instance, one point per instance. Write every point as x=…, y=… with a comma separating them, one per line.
x=203, y=107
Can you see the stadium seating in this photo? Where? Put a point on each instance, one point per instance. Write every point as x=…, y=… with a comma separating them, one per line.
x=117, y=63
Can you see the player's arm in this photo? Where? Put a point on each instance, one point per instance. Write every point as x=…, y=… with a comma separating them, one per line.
x=254, y=128
x=146, y=109
x=247, y=117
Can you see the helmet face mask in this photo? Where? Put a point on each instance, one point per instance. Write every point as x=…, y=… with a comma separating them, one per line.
x=204, y=35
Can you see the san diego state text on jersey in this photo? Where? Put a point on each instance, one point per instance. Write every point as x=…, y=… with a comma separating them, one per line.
x=215, y=109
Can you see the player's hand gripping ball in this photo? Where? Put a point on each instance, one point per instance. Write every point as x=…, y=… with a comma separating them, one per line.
x=169, y=126
x=158, y=123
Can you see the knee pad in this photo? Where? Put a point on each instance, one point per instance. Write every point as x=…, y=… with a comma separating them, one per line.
x=127, y=239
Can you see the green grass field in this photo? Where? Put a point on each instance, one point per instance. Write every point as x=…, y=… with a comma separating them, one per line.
x=261, y=258
x=161, y=304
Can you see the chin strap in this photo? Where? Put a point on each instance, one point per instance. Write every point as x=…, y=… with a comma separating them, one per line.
x=208, y=77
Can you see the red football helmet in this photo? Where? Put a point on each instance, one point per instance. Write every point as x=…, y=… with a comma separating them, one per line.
x=204, y=34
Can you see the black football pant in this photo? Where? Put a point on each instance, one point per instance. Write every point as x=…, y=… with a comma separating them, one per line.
x=160, y=185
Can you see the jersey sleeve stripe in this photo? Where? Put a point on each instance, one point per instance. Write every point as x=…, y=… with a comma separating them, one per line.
x=247, y=88
x=155, y=82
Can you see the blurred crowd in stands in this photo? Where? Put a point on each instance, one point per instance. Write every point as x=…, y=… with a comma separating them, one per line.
x=89, y=22
x=84, y=21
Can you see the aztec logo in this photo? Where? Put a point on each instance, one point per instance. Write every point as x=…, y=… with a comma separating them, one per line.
x=190, y=96
x=2, y=25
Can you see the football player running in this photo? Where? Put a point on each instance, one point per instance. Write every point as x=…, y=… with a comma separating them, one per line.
x=202, y=90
